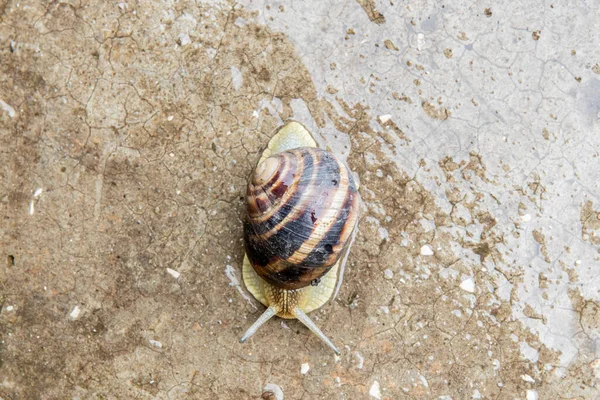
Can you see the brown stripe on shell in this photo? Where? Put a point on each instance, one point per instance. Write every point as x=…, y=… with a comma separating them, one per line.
x=286, y=210
x=262, y=199
x=286, y=165
x=303, y=166
x=303, y=192
x=319, y=261
x=327, y=251
x=352, y=219
x=326, y=213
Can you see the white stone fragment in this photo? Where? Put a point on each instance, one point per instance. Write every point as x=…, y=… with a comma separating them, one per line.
x=75, y=313
x=9, y=308
x=276, y=390
x=37, y=192
x=383, y=234
x=11, y=111
x=184, y=39
x=496, y=364
x=527, y=378
x=155, y=343
x=388, y=274
x=241, y=22
x=31, y=208
x=173, y=273
x=170, y=118
x=532, y=395
x=375, y=391
x=361, y=360
x=468, y=285
x=420, y=41
x=385, y=118
x=237, y=78
x=426, y=250
x=304, y=368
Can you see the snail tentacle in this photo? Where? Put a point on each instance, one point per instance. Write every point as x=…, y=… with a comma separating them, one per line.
x=302, y=317
x=267, y=315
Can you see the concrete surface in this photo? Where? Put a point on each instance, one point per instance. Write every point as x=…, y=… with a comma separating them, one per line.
x=127, y=132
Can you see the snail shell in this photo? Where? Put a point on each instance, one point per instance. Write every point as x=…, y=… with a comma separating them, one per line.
x=302, y=206
x=302, y=209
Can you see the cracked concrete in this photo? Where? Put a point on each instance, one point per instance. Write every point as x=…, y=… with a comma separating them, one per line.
x=127, y=133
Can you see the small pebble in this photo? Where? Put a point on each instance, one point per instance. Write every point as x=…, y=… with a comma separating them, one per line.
x=526, y=218
x=527, y=378
x=375, y=391
x=173, y=273
x=361, y=360
x=385, y=118
x=75, y=313
x=155, y=343
x=184, y=39
x=388, y=274
x=304, y=369
x=426, y=250
x=468, y=285
x=273, y=389
x=532, y=395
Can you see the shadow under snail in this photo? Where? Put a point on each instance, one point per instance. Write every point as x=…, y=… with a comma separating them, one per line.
x=302, y=207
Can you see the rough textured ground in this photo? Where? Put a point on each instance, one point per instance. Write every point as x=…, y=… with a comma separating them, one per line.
x=127, y=133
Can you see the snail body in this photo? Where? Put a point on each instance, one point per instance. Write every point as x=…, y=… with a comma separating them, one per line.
x=301, y=215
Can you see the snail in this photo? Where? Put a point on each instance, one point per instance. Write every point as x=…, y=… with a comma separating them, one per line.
x=302, y=207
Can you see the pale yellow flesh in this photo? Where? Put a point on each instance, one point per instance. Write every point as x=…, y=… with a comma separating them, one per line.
x=310, y=297
x=291, y=135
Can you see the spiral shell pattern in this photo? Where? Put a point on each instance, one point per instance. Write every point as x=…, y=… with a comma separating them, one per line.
x=302, y=206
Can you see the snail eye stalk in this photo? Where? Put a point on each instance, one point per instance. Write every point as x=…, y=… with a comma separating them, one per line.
x=267, y=315
x=302, y=317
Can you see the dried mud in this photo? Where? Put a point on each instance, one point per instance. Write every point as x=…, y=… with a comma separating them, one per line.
x=127, y=134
